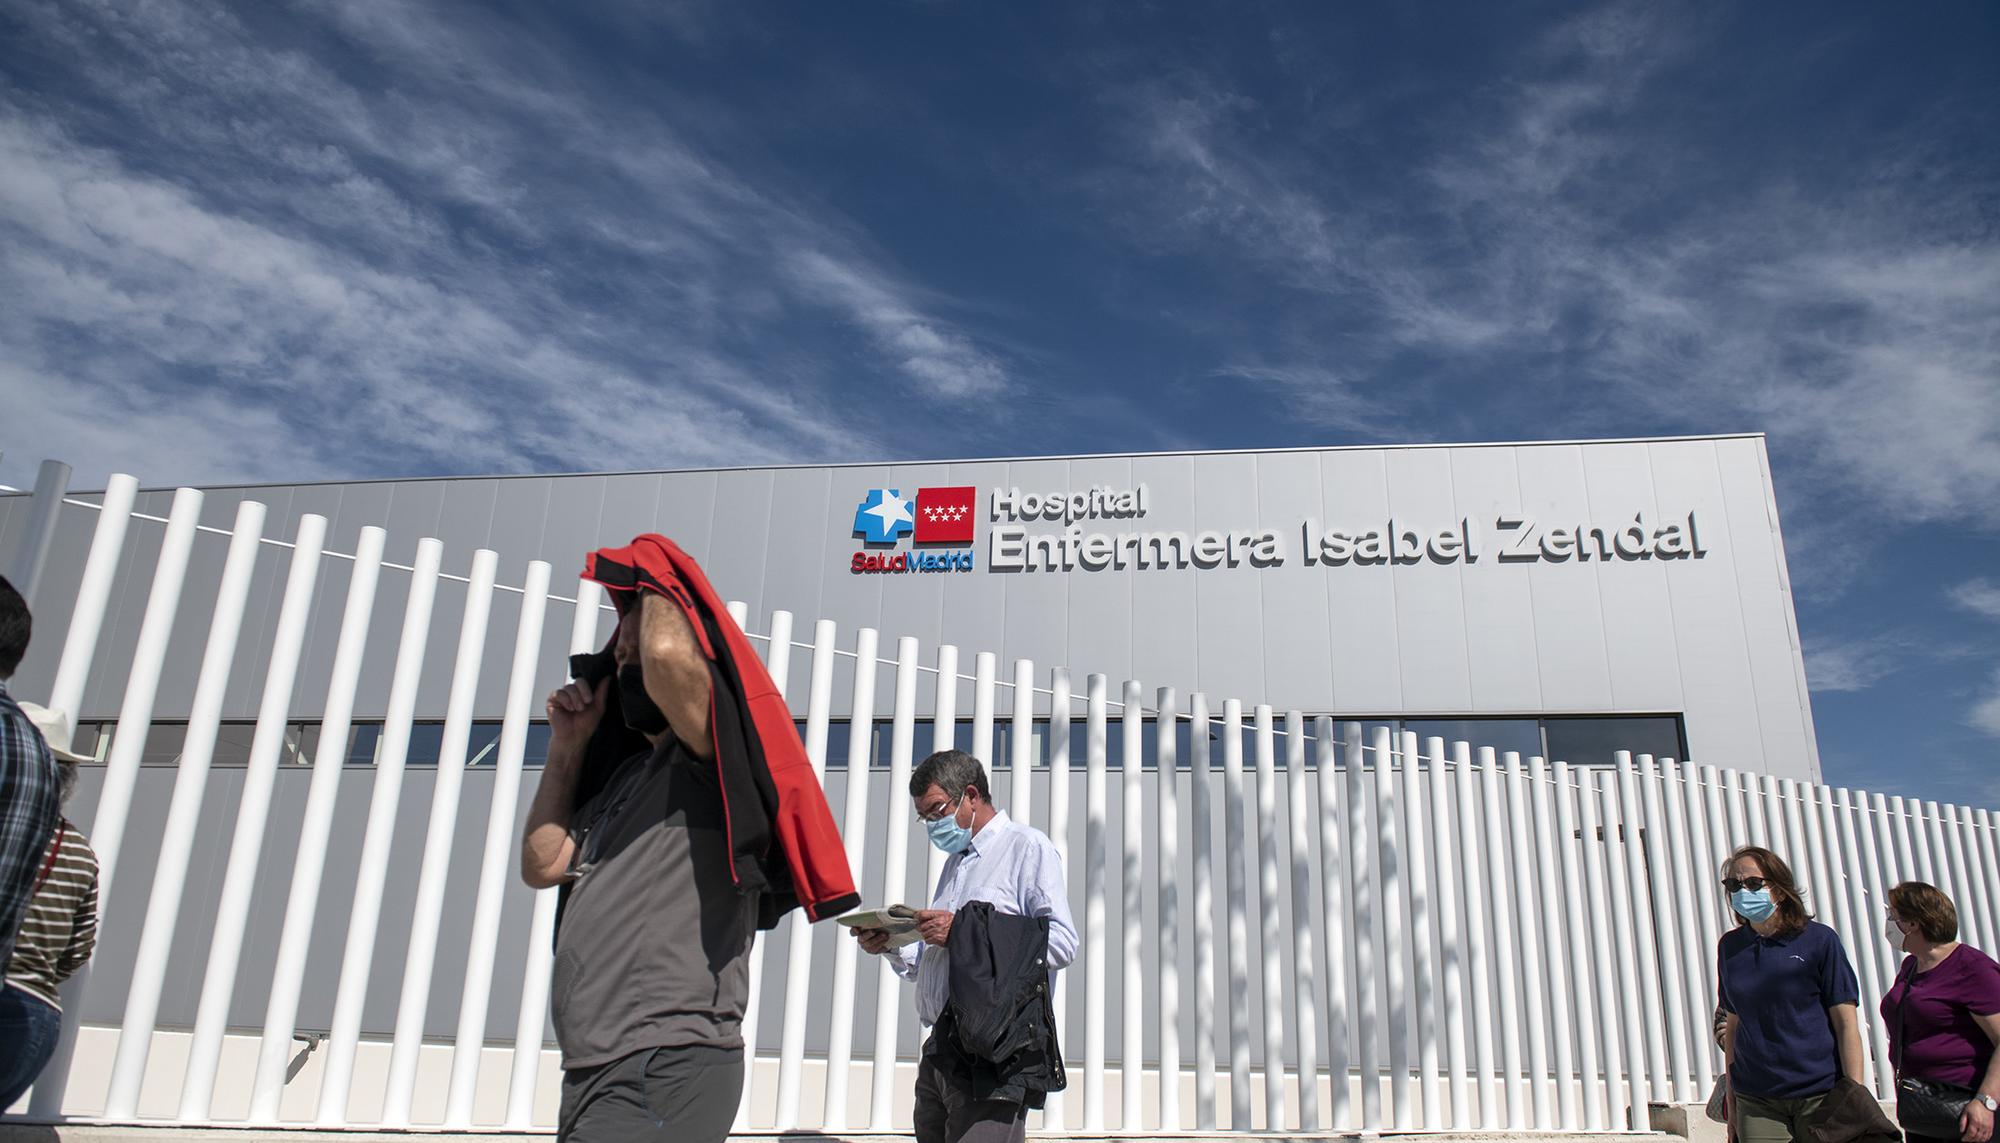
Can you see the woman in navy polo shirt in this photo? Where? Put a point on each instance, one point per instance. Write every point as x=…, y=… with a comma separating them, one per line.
x=1790, y=1000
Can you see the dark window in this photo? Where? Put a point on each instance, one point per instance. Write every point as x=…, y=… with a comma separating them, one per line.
x=1593, y=741
x=1502, y=734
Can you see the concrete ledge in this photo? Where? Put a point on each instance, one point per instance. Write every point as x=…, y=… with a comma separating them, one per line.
x=16, y=1131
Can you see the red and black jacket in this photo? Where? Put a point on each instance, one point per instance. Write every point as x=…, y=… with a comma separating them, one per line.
x=783, y=844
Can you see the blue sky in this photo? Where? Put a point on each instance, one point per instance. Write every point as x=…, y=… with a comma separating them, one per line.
x=320, y=239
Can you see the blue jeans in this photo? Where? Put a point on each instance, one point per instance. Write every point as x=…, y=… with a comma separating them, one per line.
x=28, y=1031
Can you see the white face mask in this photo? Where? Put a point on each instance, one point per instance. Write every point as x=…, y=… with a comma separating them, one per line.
x=1894, y=932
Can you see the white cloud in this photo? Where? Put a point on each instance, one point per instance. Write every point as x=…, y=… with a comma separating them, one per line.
x=1979, y=596
x=1985, y=714
x=480, y=266
x=1855, y=664
x=938, y=359
x=1322, y=396
x=1559, y=220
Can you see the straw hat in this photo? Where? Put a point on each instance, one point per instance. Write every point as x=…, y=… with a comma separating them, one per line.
x=54, y=726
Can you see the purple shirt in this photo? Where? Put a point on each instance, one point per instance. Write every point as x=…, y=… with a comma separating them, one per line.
x=1940, y=1040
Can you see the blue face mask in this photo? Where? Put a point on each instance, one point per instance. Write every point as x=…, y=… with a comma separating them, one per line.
x=1754, y=906
x=947, y=834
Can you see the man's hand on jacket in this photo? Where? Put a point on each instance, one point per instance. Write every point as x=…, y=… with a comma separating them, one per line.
x=934, y=925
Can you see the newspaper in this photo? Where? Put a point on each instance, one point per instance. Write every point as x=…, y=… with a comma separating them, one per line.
x=899, y=921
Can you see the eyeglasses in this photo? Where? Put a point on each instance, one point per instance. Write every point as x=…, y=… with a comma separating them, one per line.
x=938, y=815
x=1735, y=884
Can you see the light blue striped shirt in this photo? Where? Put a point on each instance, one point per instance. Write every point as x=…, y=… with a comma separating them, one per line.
x=1016, y=868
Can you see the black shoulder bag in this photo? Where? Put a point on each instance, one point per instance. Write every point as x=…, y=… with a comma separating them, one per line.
x=1925, y=1106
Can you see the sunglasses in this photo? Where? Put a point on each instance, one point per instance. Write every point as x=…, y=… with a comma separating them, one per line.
x=1734, y=884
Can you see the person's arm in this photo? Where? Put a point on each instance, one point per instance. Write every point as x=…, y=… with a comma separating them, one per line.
x=1976, y=1125
x=546, y=844
x=676, y=671
x=82, y=934
x=1049, y=897
x=1840, y=991
x=1846, y=1019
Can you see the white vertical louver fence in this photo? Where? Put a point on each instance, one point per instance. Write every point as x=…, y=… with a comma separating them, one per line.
x=1409, y=935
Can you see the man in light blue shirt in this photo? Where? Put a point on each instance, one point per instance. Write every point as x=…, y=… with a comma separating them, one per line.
x=1009, y=864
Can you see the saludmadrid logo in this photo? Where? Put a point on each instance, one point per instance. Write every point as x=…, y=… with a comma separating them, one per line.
x=934, y=518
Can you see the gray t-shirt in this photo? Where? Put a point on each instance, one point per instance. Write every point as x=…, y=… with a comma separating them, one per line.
x=654, y=946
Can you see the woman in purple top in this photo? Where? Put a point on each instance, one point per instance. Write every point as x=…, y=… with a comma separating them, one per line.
x=1943, y=1012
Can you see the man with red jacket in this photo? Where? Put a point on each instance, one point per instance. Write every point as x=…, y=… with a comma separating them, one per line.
x=678, y=813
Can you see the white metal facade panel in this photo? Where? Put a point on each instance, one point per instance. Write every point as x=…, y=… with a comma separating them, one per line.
x=1712, y=638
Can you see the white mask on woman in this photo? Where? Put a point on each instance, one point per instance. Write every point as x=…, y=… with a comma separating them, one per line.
x=1896, y=937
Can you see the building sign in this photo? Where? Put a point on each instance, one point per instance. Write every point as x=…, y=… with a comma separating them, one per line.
x=939, y=517
x=935, y=518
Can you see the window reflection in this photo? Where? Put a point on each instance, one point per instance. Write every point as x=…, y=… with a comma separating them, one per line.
x=1580, y=740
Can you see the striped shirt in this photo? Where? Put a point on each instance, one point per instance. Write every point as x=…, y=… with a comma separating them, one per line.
x=29, y=807
x=60, y=930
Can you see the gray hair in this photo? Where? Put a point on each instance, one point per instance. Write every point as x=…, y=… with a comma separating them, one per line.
x=67, y=774
x=951, y=771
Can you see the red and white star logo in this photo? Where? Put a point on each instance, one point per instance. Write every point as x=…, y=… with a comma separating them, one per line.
x=944, y=515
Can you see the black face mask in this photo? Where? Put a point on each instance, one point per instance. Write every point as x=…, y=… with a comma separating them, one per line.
x=641, y=712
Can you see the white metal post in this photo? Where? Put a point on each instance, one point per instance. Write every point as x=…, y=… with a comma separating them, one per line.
x=156, y=939
x=1906, y=867
x=1335, y=931
x=1451, y=950
x=799, y=948
x=1394, y=858
x=1602, y=883
x=470, y=1042
x=1738, y=835
x=1666, y=874
x=1686, y=855
x=1705, y=823
x=1423, y=961
x=1236, y=888
x=1059, y=766
x=426, y=918
x=854, y=833
x=309, y=866
x=1270, y=923
x=1473, y=867
x=260, y=778
x=128, y=743
x=778, y=664
x=1554, y=939
x=944, y=736
x=1620, y=836
x=895, y=884
x=1632, y=814
x=44, y=510
x=1500, y=894
x=1021, y=744
x=1201, y=821
x=1856, y=861
x=1305, y=1004
x=984, y=664
x=1587, y=1015
x=1132, y=883
x=1528, y=935
x=535, y=978
x=359, y=954
x=93, y=589
x=1361, y=890
x=1095, y=953
x=1166, y=755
